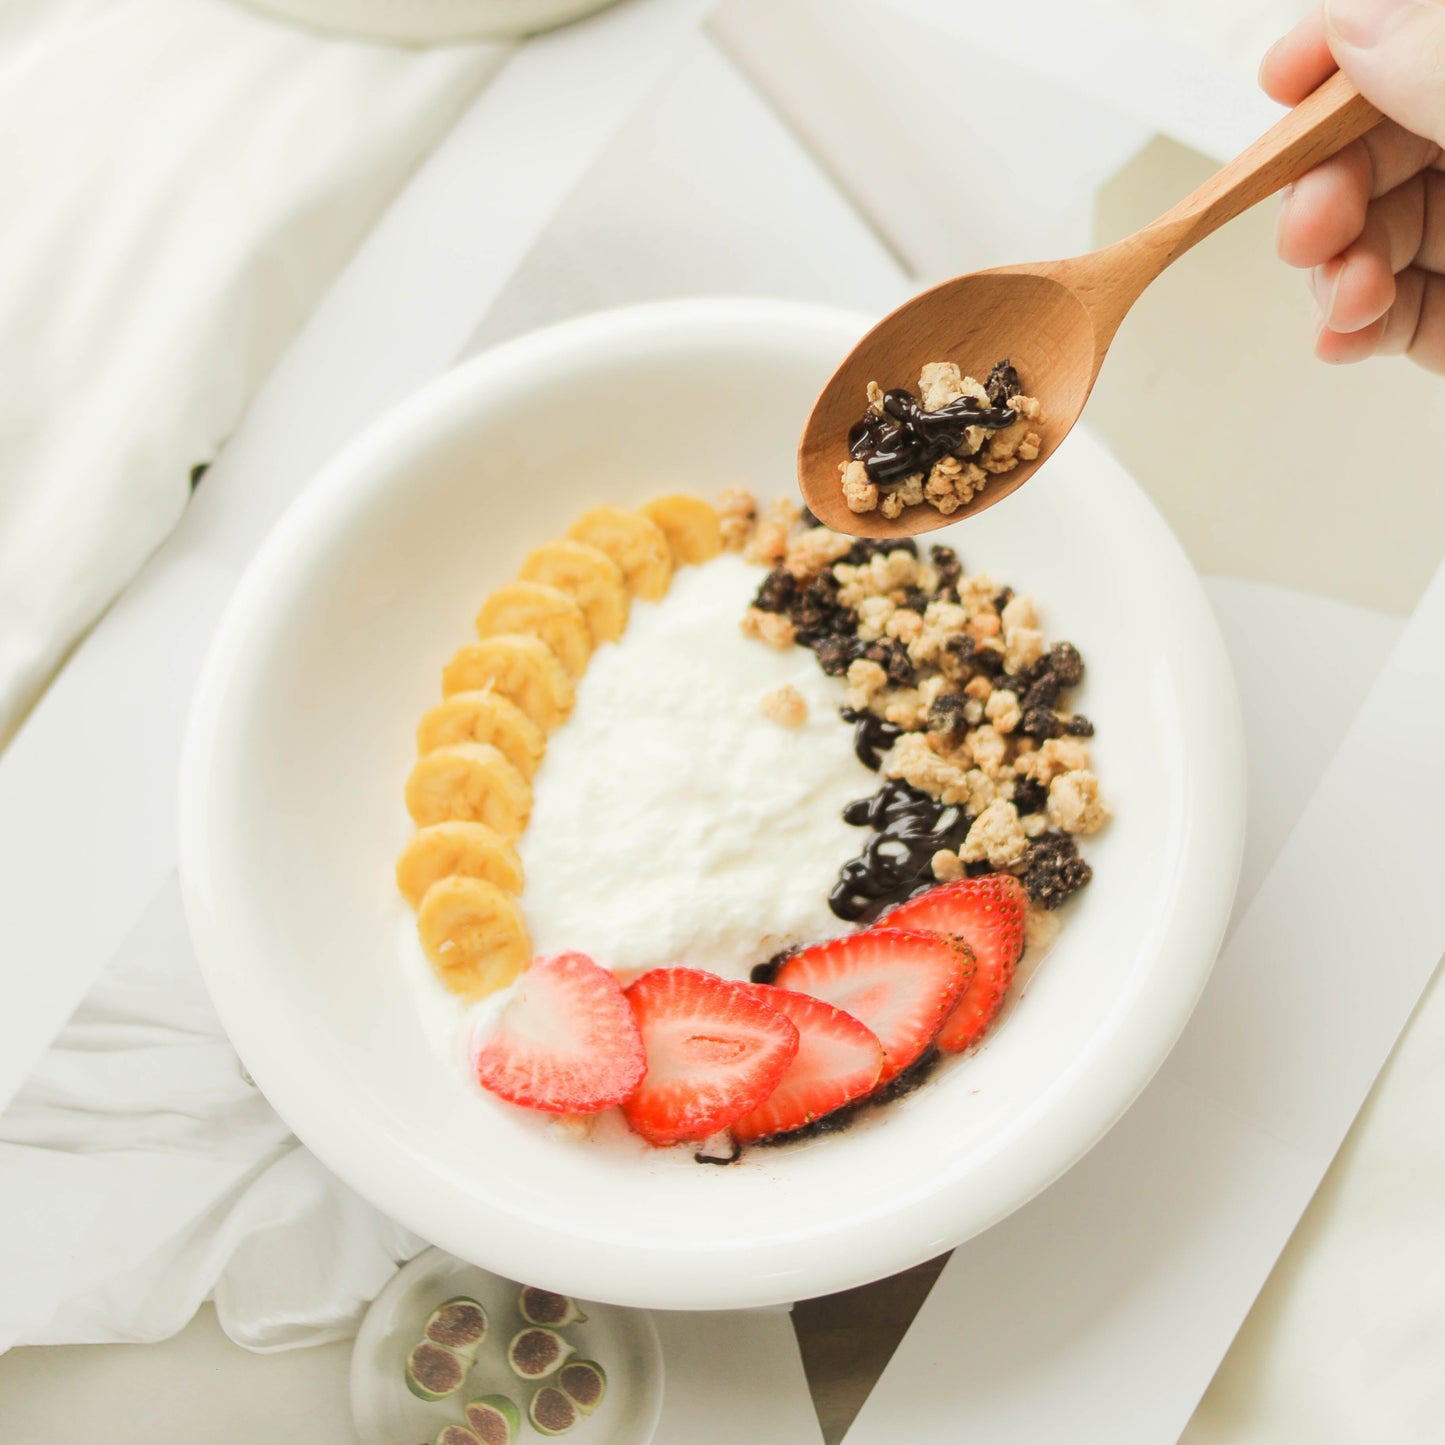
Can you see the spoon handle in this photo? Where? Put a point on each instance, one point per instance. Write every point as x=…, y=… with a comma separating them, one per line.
x=1322, y=123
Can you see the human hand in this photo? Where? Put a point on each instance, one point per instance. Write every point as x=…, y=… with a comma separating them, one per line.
x=1369, y=223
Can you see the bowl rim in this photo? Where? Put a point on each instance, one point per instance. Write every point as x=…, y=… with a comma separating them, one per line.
x=382, y=1169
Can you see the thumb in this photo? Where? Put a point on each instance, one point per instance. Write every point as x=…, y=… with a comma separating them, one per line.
x=1394, y=52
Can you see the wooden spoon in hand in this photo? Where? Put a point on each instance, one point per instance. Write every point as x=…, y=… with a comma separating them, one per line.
x=1054, y=320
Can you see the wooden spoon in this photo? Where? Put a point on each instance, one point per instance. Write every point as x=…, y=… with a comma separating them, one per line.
x=1053, y=319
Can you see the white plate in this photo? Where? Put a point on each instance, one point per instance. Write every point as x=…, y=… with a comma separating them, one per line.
x=623, y=1342
x=300, y=739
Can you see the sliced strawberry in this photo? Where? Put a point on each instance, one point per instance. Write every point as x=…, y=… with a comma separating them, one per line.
x=838, y=1060
x=900, y=983
x=566, y=1042
x=714, y=1052
x=988, y=914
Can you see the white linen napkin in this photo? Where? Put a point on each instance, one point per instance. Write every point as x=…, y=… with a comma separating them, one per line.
x=181, y=180
x=141, y=1172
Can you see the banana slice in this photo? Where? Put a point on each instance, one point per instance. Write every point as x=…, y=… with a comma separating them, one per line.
x=691, y=526
x=484, y=717
x=519, y=667
x=541, y=611
x=474, y=935
x=589, y=576
x=636, y=543
x=456, y=849
x=470, y=782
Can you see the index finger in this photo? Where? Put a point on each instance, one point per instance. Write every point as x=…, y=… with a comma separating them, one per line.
x=1297, y=63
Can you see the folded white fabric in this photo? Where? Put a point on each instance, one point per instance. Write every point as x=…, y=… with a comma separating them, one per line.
x=141, y=1172
x=182, y=179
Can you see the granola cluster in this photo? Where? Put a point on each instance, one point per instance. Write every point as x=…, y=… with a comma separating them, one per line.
x=785, y=706
x=942, y=445
x=957, y=699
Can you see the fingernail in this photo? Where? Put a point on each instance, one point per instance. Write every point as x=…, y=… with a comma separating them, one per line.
x=1259, y=74
x=1329, y=309
x=1286, y=199
x=1363, y=23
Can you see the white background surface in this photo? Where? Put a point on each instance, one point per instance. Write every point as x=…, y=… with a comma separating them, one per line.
x=1235, y=433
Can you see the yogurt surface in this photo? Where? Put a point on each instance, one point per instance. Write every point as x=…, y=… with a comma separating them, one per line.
x=672, y=823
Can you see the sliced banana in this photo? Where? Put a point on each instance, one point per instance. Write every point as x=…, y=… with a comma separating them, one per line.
x=456, y=849
x=518, y=666
x=541, y=611
x=474, y=934
x=470, y=782
x=484, y=717
x=636, y=543
x=588, y=575
x=691, y=526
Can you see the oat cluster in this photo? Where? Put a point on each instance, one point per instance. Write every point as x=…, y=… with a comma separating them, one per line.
x=978, y=453
x=785, y=706
x=953, y=672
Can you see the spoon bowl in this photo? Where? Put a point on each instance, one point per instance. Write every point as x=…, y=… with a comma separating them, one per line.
x=1024, y=313
x=1054, y=320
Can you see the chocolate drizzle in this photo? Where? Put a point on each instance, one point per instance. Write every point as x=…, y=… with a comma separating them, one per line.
x=871, y=735
x=911, y=1078
x=897, y=861
x=731, y=1157
x=904, y=439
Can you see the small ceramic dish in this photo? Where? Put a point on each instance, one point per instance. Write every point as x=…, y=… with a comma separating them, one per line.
x=624, y=1342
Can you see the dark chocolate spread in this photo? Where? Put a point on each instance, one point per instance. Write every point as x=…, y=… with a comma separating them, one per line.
x=897, y=860
x=905, y=439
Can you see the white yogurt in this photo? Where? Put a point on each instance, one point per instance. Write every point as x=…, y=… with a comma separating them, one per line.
x=672, y=823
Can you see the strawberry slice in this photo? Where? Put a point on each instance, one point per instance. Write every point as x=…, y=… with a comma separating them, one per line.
x=900, y=983
x=988, y=914
x=838, y=1060
x=566, y=1042
x=714, y=1053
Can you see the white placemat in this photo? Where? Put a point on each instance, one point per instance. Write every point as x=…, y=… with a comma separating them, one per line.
x=734, y=1378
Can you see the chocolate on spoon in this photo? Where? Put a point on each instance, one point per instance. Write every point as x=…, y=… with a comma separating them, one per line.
x=1054, y=319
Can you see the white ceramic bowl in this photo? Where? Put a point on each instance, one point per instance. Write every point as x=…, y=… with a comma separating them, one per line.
x=300, y=740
